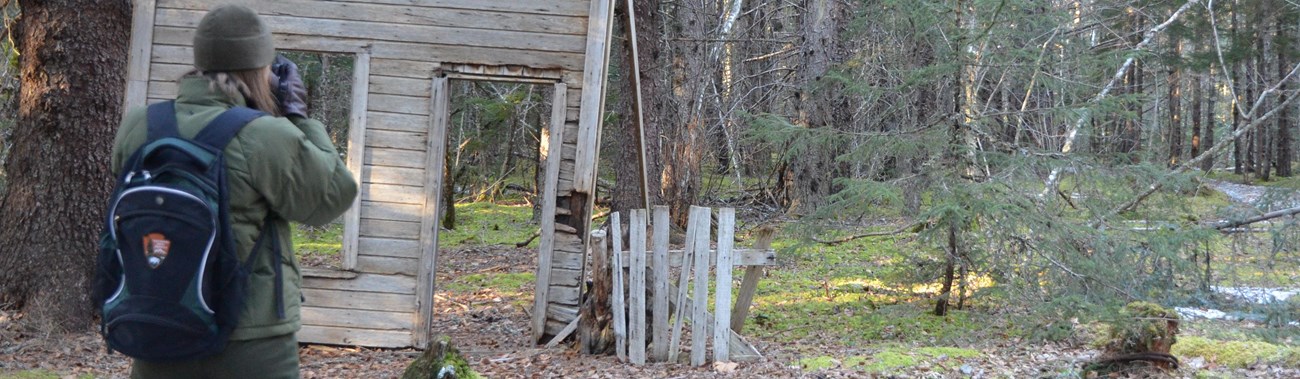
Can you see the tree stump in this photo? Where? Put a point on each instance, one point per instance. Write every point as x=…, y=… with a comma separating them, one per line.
x=1142, y=336
x=595, y=329
x=440, y=361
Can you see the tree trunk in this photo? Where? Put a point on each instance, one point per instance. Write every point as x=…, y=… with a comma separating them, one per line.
x=1175, y=135
x=73, y=60
x=949, y=272
x=1207, y=137
x=1282, y=150
x=813, y=170
x=1197, y=98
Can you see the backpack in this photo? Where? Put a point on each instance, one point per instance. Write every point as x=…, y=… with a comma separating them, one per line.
x=169, y=281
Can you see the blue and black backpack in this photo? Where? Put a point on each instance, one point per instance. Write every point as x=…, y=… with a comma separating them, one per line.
x=169, y=280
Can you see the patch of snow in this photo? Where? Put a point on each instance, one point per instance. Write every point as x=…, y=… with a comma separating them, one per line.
x=1192, y=313
x=1258, y=295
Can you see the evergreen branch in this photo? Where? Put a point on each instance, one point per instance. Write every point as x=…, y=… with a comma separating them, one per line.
x=1054, y=179
x=838, y=241
x=1227, y=225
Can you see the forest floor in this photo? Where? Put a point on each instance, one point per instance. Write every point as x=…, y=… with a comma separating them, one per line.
x=485, y=296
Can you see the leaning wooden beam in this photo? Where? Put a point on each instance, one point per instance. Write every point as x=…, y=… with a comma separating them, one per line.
x=564, y=333
x=722, y=294
x=552, y=140
x=620, y=313
x=636, y=287
x=683, y=282
x=750, y=284
x=700, y=216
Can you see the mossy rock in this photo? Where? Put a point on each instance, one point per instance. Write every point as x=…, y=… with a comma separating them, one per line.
x=440, y=361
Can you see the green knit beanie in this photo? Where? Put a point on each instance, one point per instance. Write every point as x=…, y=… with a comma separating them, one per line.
x=232, y=38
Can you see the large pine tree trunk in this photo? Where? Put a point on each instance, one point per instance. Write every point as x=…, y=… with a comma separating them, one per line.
x=1207, y=138
x=1175, y=135
x=1285, y=121
x=73, y=60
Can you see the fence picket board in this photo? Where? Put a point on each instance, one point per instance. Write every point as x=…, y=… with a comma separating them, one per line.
x=620, y=313
x=700, y=294
x=722, y=297
x=636, y=285
x=659, y=306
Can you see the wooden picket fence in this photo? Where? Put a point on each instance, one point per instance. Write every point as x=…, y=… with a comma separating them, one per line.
x=688, y=294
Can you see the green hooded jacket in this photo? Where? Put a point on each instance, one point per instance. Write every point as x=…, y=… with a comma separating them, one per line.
x=286, y=166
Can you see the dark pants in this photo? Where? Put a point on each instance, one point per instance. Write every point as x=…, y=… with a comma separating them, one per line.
x=274, y=357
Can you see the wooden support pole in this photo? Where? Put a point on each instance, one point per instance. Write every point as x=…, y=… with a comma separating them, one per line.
x=594, y=333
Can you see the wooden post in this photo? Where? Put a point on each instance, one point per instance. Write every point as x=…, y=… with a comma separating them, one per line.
x=636, y=285
x=722, y=297
x=552, y=142
x=700, y=217
x=620, y=313
x=356, y=155
x=436, y=152
x=595, y=311
x=750, y=283
x=659, y=305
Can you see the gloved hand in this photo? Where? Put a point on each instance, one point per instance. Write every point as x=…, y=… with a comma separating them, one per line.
x=288, y=87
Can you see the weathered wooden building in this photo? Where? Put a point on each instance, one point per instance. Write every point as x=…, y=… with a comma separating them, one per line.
x=406, y=51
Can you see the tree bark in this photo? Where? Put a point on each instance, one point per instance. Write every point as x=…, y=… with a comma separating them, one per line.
x=1175, y=135
x=73, y=72
x=1285, y=122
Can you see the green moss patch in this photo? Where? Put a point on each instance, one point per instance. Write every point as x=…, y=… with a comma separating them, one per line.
x=487, y=223
x=891, y=359
x=1236, y=354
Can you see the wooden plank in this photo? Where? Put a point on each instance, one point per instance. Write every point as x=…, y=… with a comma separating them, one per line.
x=393, y=194
x=393, y=85
x=558, y=8
x=700, y=216
x=388, y=265
x=327, y=273
x=398, y=122
x=620, y=313
x=356, y=155
x=394, y=139
x=562, y=312
x=679, y=291
x=410, y=69
x=356, y=318
x=354, y=337
x=386, y=247
x=425, y=14
x=546, y=246
x=398, y=284
x=659, y=273
x=405, y=176
x=722, y=289
x=399, y=104
x=438, y=110
x=163, y=72
x=137, y=66
x=391, y=302
x=390, y=229
x=395, y=158
x=563, y=275
x=394, y=32
x=564, y=333
x=566, y=260
x=563, y=295
x=595, y=72
x=636, y=286
x=749, y=284
x=740, y=257
x=377, y=210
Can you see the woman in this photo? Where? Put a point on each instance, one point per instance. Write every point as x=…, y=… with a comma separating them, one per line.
x=283, y=165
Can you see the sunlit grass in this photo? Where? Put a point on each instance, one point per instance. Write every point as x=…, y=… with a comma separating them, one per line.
x=485, y=223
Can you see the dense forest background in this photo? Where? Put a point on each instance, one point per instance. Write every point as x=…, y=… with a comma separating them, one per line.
x=1058, y=158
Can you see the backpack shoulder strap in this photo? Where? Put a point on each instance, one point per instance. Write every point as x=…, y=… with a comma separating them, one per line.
x=162, y=120
x=222, y=129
